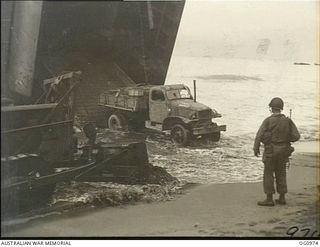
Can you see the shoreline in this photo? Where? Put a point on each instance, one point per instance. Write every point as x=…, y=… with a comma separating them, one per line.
x=203, y=210
x=309, y=147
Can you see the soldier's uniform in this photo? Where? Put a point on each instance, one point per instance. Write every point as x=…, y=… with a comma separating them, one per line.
x=276, y=133
x=91, y=133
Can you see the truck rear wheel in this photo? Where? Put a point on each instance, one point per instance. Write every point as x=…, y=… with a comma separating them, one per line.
x=117, y=122
x=180, y=135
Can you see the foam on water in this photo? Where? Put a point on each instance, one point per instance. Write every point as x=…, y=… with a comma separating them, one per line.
x=224, y=162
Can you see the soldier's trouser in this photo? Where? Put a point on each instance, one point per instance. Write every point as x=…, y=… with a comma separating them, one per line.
x=275, y=166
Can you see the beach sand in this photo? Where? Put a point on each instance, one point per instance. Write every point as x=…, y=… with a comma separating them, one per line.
x=213, y=210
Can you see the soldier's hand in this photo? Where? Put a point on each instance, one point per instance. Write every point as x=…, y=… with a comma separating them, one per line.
x=256, y=153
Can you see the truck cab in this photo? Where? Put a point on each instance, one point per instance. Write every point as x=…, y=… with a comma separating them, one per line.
x=173, y=108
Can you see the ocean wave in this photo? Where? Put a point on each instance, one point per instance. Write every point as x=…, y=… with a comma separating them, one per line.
x=229, y=77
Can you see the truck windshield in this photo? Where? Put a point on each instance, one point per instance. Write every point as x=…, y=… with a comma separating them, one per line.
x=178, y=94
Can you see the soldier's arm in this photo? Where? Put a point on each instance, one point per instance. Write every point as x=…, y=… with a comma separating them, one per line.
x=259, y=135
x=294, y=133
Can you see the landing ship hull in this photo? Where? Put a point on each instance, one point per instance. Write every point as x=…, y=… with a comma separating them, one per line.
x=114, y=44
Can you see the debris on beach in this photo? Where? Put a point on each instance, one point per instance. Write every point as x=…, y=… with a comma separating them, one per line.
x=111, y=194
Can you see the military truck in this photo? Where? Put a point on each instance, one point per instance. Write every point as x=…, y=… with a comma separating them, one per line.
x=167, y=108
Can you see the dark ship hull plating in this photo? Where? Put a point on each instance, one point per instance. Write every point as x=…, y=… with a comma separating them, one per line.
x=114, y=44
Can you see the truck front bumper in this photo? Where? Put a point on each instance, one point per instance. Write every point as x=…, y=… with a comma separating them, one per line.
x=208, y=129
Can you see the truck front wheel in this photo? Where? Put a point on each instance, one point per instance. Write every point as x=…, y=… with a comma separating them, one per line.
x=117, y=121
x=180, y=135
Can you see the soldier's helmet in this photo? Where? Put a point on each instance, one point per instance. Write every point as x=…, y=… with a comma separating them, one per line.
x=276, y=103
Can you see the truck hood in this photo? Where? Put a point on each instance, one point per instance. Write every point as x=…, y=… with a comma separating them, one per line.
x=190, y=104
x=187, y=108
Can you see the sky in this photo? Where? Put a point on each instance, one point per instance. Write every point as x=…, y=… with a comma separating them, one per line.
x=236, y=28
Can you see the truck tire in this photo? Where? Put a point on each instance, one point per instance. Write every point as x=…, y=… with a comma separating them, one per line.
x=180, y=135
x=117, y=121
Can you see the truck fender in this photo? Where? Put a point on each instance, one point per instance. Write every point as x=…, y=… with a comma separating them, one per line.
x=169, y=122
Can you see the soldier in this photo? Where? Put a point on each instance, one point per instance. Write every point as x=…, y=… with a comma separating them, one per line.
x=91, y=133
x=276, y=133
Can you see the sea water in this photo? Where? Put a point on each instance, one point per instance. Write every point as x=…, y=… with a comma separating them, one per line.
x=241, y=89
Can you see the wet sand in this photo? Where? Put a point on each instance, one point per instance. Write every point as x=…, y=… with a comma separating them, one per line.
x=213, y=210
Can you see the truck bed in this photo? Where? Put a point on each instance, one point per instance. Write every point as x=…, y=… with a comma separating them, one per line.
x=134, y=99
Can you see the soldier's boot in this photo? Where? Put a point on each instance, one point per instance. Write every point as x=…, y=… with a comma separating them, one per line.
x=268, y=202
x=281, y=200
